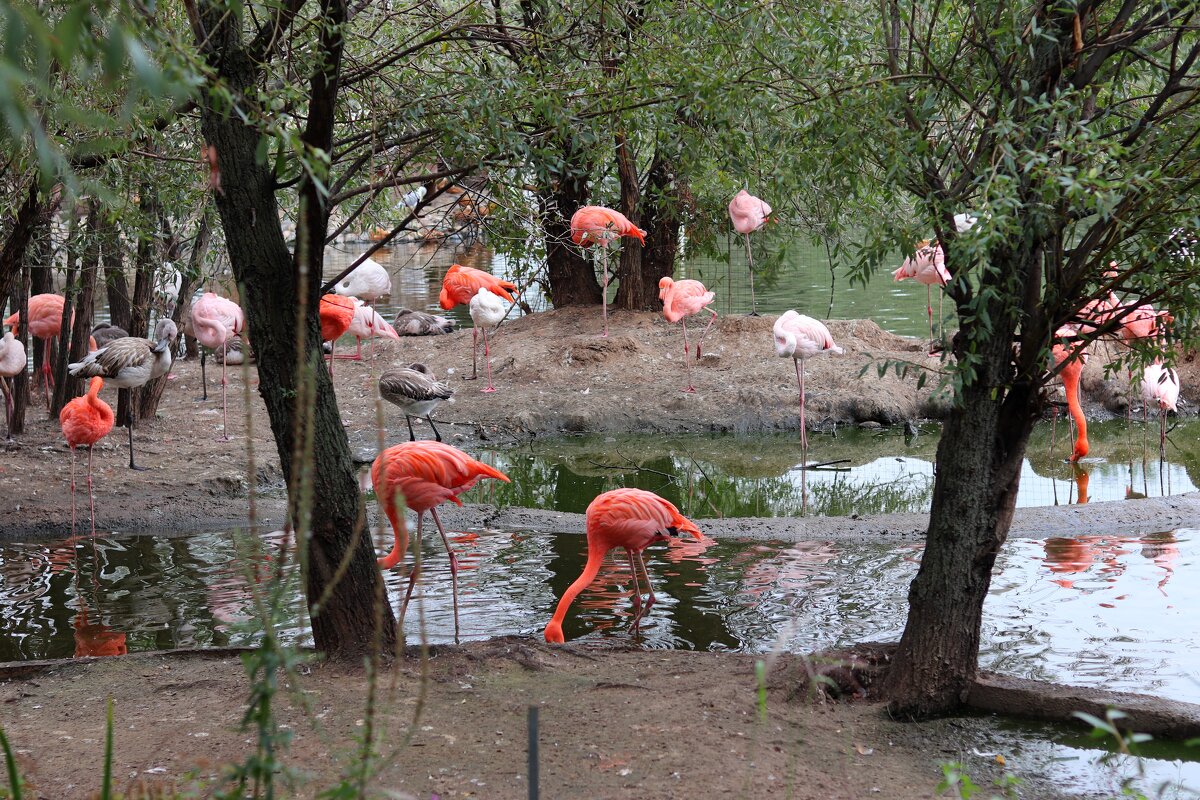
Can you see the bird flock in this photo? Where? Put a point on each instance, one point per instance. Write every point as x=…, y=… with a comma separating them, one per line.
x=421, y=475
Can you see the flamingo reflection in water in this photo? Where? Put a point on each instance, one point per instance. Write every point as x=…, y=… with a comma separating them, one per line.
x=96, y=638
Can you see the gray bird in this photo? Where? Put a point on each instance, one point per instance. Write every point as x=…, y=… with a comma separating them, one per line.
x=419, y=323
x=416, y=392
x=104, y=333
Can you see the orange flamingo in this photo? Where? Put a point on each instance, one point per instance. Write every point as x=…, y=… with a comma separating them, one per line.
x=45, y=323
x=85, y=421
x=337, y=312
x=425, y=474
x=599, y=225
x=680, y=300
x=460, y=285
x=96, y=638
x=632, y=519
x=1075, y=356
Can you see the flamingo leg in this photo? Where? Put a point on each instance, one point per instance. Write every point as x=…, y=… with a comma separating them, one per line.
x=91, y=494
x=803, y=430
x=453, y=568
x=637, y=590
x=750, y=266
x=711, y=320
x=129, y=427
x=649, y=586
x=412, y=576
x=929, y=310
x=474, y=353
x=8, y=408
x=687, y=354
x=203, y=376
x=1162, y=433
x=487, y=362
x=357, y=353
x=72, y=490
x=604, y=288
x=332, y=356
x=47, y=373
x=224, y=383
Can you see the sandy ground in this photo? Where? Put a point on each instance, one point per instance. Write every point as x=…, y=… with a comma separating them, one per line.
x=614, y=723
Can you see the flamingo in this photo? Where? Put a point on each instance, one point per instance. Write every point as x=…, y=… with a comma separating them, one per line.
x=461, y=284
x=369, y=281
x=486, y=311
x=680, y=300
x=216, y=320
x=12, y=363
x=85, y=421
x=96, y=638
x=365, y=324
x=748, y=214
x=419, y=323
x=416, y=392
x=1160, y=387
x=599, y=225
x=632, y=519
x=425, y=474
x=928, y=266
x=128, y=363
x=45, y=323
x=336, y=314
x=799, y=338
x=1072, y=357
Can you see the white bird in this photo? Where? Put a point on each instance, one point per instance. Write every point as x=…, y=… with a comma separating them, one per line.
x=800, y=338
x=1160, y=387
x=367, y=324
x=420, y=323
x=12, y=363
x=413, y=198
x=369, y=280
x=964, y=222
x=128, y=363
x=487, y=310
x=416, y=392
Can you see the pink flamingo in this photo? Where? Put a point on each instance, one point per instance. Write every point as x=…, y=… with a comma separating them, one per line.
x=800, y=338
x=748, y=214
x=600, y=225
x=460, y=285
x=85, y=421
x=216, y=320
x=682, y=299
x=366, y=324
x=424, y=474
x=12, y=363
x=928, y=266
x=1160, y=387
x=45, y=323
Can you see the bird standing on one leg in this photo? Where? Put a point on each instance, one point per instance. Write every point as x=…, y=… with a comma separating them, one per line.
x=682, y=299
x=1160, y=387
x=928, y=266
x=748, y=214
x=128, y=363
x=12, y=363
x=336, y=313
x=632, y=519
x=216, y=320
x=45, y=323
x=600, y=225
x=461, y=284
x=486, y=312
x=416, y=392
x=425, y=474
x=800, y=338
x=85, y=421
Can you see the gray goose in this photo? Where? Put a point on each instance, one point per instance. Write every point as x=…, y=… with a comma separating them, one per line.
x=419, y=323
x=416, y=392
x=128, y=363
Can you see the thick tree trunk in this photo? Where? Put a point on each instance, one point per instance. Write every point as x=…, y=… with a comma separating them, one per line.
x=116, y=287
x=661, y=219
x=74, y=346
x=631, y=290
x=974, y=495
x=145, y=268
x=572, y=276
x=22, y=382
x=346, y=600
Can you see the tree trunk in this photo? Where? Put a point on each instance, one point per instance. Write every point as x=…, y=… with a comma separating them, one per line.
x=21, y=383
x=74, y=345
x=346, y=601
x=665, y=194
x=632, y=292
x=116, y=287
x=974, y=494
x=572, y=276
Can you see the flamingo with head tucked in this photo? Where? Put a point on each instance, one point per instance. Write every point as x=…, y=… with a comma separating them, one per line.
x=369, y=281
x=1160, y=387
x=632, y=519
x=486, y=312
x=216, y=320
x=748, y=214
x=928, y=266
x=799, y=338
x=598, y=225
x=336, y=313
x=682, y=299
x=12, y=363
x=45, y=323
x=367, y=324
x=85, y=421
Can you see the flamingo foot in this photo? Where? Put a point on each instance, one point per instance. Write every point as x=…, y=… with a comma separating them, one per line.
x=488, y=389
x=690, y=389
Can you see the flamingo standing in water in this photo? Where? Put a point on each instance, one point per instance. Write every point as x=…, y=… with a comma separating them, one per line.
x=128, y=363
x=45, y=323
x=1160, y=387
x=12, y=363
x=632, y=519
x=85, y=421
x=216, y=320
x=748, y=214
x=928, y=266
x=800, y=338
x=461, y=284
x=1072, y=357
x=600, y=225
x=682, y=299
x=424, y=474
x=336, y=314
x=486, y=312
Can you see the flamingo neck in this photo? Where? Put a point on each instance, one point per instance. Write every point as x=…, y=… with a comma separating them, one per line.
x=596, y=553
x=399, y=531
x=1070, y=379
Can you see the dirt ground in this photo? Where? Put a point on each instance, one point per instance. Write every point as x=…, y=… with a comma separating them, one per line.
x=614, y=723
